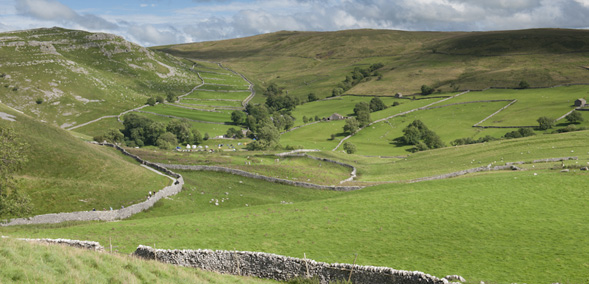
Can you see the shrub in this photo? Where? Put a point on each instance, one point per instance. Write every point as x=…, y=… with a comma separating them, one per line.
x=396, y=103
x=39, y=101
x=151, y=101
x=376, y=104
x=312, y=97
x=575, y=117
x=523, y=84
x=159, y=99
x=426, y=90
x=545, y=123
x=350, y=148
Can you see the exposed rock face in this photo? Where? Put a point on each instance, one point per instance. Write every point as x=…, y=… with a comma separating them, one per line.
x=283, y=268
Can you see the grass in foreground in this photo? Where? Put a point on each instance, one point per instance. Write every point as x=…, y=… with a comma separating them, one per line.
x=499, y=228
x=24, y=262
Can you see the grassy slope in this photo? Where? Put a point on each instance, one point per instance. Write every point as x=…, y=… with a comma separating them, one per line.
x=307, y=62
x=24, y=262
x=62, y=171
x=86, y=76
x=502, y=228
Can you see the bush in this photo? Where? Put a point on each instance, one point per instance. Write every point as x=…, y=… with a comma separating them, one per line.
x=349, y=148
x=312, y=97
x=523, y=84
x=416, y=133
x=166, y=141
x=522, y=132
x=376, y=104
x=427, y=90
x=159, y=99
x=39, y=101
x=545, y=123
x=575, y=117
x=151, y=101
x=396, y=104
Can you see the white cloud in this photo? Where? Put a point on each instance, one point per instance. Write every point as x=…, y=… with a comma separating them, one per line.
x=51, y=10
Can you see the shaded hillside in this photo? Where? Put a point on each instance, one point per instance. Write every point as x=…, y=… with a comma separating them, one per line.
x=67, y=77
x=305, y=62
x=65, y=174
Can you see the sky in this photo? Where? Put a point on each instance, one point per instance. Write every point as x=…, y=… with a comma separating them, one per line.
x=160, y=22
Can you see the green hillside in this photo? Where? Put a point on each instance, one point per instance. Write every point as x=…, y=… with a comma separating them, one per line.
x=305, y=62
x=25, y=262
x=68, y=77
x=66, y=174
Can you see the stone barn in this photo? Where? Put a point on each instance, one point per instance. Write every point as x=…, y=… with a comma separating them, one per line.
x=580, y=103
x=398, y=95
x=335, y=116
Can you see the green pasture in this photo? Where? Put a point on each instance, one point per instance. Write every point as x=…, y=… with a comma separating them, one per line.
x=99, y=127
x=291, y=168
x=315, y=136
x=453, y=159
x=500, y=228
x=230, y=79
x=531, y=104
x=212, y=95
x=211, y=103
x=25, y=262
x=210, y=128
x=220, y=116
x=65, y=174
x=213, y=87
x=449, y=123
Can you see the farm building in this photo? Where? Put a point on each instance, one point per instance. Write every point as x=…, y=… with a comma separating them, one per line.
x=398, y=95
x=580, y=102
x=335, y=116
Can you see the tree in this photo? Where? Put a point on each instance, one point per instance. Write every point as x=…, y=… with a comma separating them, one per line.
x=336, y=92
x=167, y=141
x=351, y=125
x=312, y=97
x=206, y=137
x=545, y=123
x=363, y=118
x=305, y=119
x=416, y=133
x=426, y=90
x=182, y=129
x=396, y=104
x=112, y=135
x=360, y=107
x=575, y=117
x=151, y=101
x=349, y=148
x=238, y=117
x=376, y=104
x=523, y=84
x=13, y=202
x=159, y=99
x=170, y=97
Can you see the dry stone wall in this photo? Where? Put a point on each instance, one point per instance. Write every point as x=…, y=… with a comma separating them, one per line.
x=283, y=268
x=112, y=215
x=257, y=176
x=89, y=245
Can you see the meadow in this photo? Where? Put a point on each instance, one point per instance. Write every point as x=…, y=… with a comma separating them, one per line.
x=218, y=116
x=65, y=174
x=212, y=95
x=25, y=262
x=464, y=226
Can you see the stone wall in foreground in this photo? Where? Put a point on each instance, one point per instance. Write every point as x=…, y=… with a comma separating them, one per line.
x=283, y=268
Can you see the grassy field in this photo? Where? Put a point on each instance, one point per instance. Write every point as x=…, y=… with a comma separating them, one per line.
x=100, y=127
x=25, y=262
x=453, y=159
x=212, y=129
x=501, y=228
x=220, y=116
x=65, y=174
x=211, y=95
x=291, y=168
x=315, y=136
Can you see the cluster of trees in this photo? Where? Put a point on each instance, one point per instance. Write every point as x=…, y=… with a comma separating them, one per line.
x=170, y=97
x=469, y=140
x=142, y=131
x=266, y=121
x=522, y=132
x=416, y=133
x=357, y=75
x=362, y=112
x=13, y=202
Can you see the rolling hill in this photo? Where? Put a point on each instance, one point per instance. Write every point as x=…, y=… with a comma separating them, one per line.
x=305, y=62
x=68, y=77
